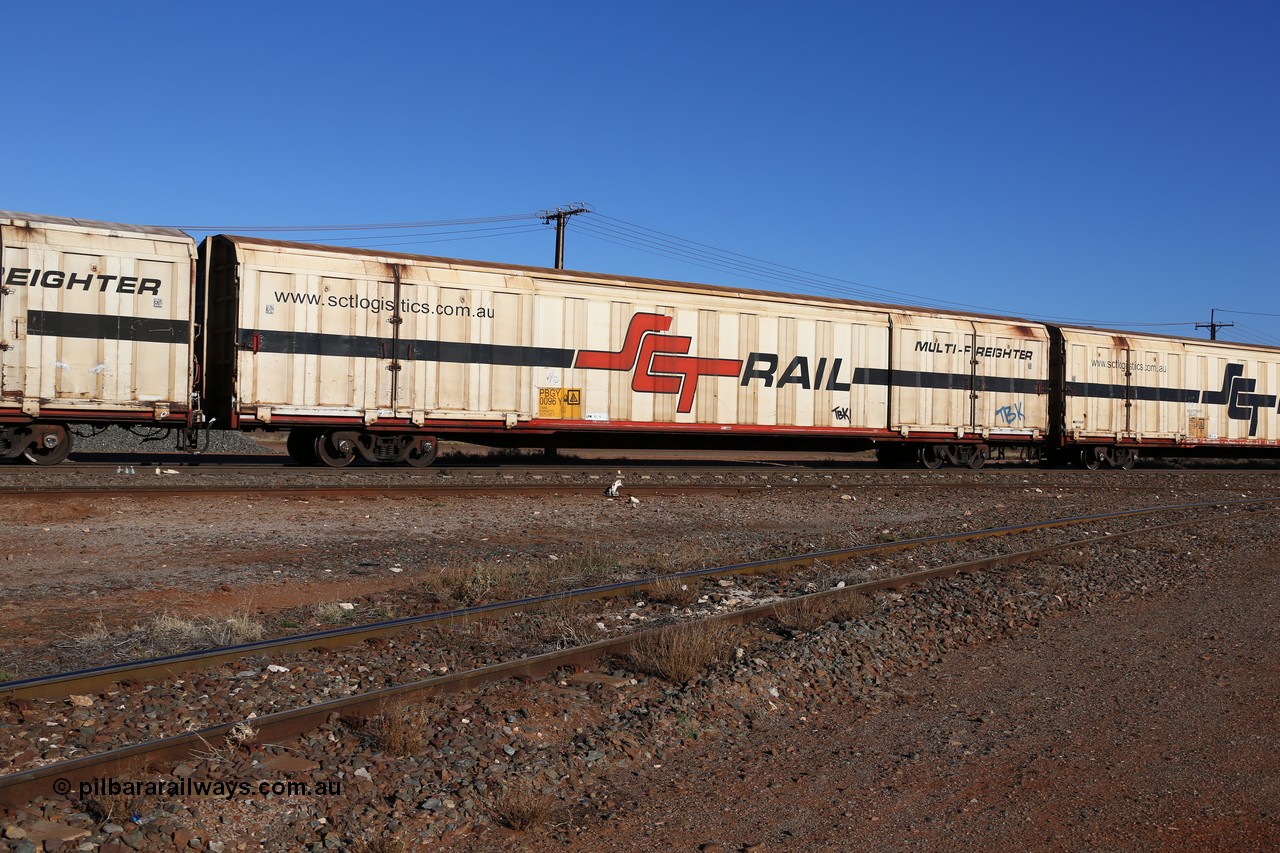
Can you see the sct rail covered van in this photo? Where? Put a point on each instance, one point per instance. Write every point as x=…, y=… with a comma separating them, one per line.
x=376, y=355
x=95, y=327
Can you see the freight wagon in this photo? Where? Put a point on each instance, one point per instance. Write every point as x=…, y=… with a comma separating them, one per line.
x=1117, y=393
x=375, y=355
x=95, y=328
x=361, y=353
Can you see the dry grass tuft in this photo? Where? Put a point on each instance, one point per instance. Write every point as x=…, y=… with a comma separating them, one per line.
x=162, y=635
x=332, y=613
x=591, y=562
x=117, y=807
x=674, y=591
x=399, y=730
x=232, y=631
x=679, y=653
x=810, y=612
x=474, y=584
x=565, y=623
x=520, y=807
x=240, y=734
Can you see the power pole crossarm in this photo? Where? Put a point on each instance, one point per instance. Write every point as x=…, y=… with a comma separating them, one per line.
x=1212, y=325
x=560, y=216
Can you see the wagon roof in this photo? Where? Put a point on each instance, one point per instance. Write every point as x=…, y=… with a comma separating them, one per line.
x=8, y=217
x=548, y=272
x=673, y=284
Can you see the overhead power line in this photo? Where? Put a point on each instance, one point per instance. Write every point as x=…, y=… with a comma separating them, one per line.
x=435, y=236
x=1256, y=336
x=384, y=226
x=1250, y=313
x=655, y=242
x=740, y=267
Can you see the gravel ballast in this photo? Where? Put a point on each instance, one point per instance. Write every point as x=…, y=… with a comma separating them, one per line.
x=1116, y=698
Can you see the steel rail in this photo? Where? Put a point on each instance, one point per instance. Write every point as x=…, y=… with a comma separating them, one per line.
x=330, y=490
x=638, y=481
x=96, y=679
x=19, y=788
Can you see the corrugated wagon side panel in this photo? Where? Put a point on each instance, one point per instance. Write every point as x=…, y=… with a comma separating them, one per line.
x=932, y=373
x=95, y=321
x=1241, y=392
x=750, y=395
x=1139, y=388
x=504, y=381
x=1011, y=377
x=690, y=359
x=1095, y=381
x=1159, y=393
x=717, y=339
x=767, y=339
x=330, y=381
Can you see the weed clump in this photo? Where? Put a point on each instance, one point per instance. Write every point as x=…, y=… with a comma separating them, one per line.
x=676, y=592
x=679, y=653
x=400, y=730
x=810, y=612
x=520, y=807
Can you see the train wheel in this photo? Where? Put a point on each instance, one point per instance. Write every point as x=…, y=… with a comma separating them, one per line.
x=301, y=445
x=933, y=455
x=335, y=450
x=51, y=448
x=978, y=456
x=424, y=452
x=1124, y=458
x=1091, y=458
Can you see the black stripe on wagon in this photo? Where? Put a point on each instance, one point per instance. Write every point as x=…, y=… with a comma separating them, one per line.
x=1135, y=392
x=349, y=346
x=961, y=382
x=61, y=324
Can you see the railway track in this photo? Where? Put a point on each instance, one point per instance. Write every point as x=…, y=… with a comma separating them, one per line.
x=67, y=482
x=19, y=787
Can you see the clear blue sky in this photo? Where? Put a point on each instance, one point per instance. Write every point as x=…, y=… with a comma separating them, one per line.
x=1115, y=162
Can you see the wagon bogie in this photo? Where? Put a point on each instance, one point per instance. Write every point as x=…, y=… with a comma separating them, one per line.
x=338, y=448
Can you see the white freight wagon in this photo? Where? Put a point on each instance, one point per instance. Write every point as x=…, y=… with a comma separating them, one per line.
x=379, y=355
x=958, y=376
x=1123, y=391
x=95, y=327
x=362, y=353
x=367, y=353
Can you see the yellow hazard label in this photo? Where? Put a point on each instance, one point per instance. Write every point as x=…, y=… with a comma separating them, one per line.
x=560, y=403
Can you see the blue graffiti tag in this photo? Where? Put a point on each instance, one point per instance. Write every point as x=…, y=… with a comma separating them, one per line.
x=1009, y=414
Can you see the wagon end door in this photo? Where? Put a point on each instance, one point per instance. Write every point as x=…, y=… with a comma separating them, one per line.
x=13, y=321
x=1009, y=363
x=1129, y=411
x=390, y=365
